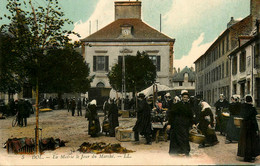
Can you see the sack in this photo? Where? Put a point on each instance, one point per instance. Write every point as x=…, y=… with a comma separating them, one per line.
x=87, y=115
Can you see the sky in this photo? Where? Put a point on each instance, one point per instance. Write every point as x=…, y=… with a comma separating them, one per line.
x=195, y=24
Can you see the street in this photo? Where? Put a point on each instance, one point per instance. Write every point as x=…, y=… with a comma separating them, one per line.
x=60, y=124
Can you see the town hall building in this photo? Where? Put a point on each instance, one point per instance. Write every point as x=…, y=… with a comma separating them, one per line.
x=127, y=35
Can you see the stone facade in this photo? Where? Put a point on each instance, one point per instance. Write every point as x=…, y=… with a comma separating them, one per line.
x=245, y=74
x=113, y=50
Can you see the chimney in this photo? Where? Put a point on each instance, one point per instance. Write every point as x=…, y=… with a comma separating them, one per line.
x=127, y=9
x=179, y=70
x=192, y=69
x=174, y=70
x=255, y=10
x=231, y=22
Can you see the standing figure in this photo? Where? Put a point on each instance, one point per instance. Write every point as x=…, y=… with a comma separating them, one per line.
x=51, y=103
x=231, y=130
x=180, y=121
x=206, y=125
x=220, y=105
x=248, y=144
x=127, y=103
x=79, y=110
x=16, y=108
x=106, y=106
x=112, y=117
x=143, y=124
x=67, y=103
x=94, y=125
x=22, y=112
x=197, y=108
x=73, y=106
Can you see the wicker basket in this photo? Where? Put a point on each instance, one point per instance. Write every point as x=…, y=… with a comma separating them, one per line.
x=196, y=136
x=237, y=121
x=105, y=127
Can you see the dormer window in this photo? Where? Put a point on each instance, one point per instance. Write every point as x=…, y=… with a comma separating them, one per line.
x=126, y=30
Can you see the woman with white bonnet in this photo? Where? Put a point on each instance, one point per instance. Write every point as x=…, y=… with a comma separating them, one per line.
x=248, y=144
x=231, y=130
x=94, y=125
x=206, y=125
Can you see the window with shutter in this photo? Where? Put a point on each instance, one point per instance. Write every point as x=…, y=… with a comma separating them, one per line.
x=223, y=75
x=100, y=63
x=227, y=68
x=158, y=66
x=257, y=55
x=106, y=63
x=156, y=61
x=94, y=63
x=242, y=61
x=234, y=65
x=120, y=59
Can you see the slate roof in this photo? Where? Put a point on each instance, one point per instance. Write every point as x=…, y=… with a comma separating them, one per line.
x=236, y=28
x=180, y=76
x=141, y=32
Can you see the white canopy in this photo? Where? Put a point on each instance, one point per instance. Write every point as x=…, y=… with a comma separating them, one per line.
x=114, y=94
x=149, y=91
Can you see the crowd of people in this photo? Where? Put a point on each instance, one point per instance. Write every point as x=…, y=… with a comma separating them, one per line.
x=197, y=113
x=182, y=113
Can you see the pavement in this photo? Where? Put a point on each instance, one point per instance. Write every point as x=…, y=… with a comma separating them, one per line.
x=74, y=129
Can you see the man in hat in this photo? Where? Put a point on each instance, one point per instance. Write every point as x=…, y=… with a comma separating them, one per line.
x=180, y=121
x=143, y=124
x=79, y=110
x=73, y=106
x=197, y=108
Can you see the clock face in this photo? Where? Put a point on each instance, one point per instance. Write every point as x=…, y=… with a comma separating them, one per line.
x=126, y=31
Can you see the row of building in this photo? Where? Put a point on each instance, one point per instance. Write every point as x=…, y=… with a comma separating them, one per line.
x=231, y=64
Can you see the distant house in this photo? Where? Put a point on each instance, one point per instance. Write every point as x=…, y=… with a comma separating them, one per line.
x=125, y=36
x=184, y=79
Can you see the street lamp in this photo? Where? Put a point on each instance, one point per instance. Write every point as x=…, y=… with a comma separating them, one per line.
x=123, y=80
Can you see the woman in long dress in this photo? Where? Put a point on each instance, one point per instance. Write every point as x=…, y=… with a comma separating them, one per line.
x=231, y=130
x=94, y=125
x=180, y=121
x=248, y=144
x=112, y=117
x=206, y=125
